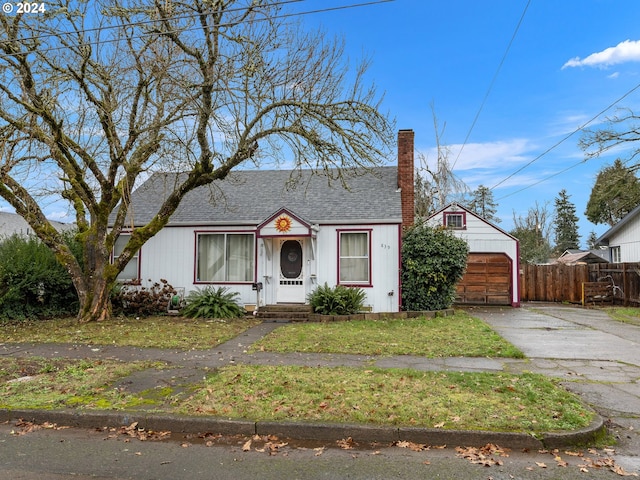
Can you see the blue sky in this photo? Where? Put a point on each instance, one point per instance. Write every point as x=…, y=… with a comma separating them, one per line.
x=568, y=61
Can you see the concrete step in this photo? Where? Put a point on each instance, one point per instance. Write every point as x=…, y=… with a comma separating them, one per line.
x=291, y=312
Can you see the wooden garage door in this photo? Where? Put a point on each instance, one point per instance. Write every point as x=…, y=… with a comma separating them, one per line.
x=487, y=280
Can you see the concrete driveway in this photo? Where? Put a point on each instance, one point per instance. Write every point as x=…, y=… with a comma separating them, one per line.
x=595, y=356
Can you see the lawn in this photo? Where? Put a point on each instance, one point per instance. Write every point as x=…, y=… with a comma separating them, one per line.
x=624, y=315
x=159, y=332
x=451, y=336
x=47, y=384
x=450, y=400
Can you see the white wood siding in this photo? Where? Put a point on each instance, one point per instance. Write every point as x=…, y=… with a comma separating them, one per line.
x=382, y=296
x=628, y=239
x=171, y=254
x=482, y=237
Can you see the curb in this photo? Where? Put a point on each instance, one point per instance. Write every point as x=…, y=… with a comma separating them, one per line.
x=309, y=431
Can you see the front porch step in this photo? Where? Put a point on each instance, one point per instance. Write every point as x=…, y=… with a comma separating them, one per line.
x=291, y=312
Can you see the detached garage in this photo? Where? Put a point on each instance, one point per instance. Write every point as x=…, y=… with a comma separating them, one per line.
x=492, y=267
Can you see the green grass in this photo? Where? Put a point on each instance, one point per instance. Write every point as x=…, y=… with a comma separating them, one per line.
x=63, y=383
x=451, y=336
x=450, y=400
x=158, y=332
x=624, y=315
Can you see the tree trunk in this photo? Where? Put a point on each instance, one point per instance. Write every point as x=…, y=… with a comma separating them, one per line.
x=95, y=304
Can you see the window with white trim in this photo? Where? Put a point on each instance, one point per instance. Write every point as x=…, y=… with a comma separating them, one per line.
x=131, y=271
x=225, y=257
x=616, y=256
x=354, y=258
x=454, y=220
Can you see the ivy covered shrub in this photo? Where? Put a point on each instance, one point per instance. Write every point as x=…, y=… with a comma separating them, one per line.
x=32, y=282
x=433, y=262
x=135, y=300
x=212, y=302
x=339, y=300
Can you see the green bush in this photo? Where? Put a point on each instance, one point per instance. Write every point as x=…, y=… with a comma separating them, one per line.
x=134, y=300
x=433, y=261
x=339, y=300
x=32, y=282
x=212, y=303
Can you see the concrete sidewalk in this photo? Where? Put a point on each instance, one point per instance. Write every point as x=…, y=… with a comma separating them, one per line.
x=595, y=357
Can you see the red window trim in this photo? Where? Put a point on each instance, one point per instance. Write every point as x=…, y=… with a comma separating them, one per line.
x=367, y=284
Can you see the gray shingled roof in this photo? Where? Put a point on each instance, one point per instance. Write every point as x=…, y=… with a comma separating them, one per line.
x=11, y=223
x=250, y=197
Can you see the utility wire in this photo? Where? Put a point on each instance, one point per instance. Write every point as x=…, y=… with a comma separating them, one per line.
x=493, y=81
x=564, y=139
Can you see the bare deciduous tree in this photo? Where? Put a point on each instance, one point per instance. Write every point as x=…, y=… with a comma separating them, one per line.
x=436, y=184
x=96, y=95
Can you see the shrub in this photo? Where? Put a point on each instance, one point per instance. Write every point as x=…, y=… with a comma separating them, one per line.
x=339, y=300
x=433, y=261
x=32, y=282
x=212, y=303
x=134, y=300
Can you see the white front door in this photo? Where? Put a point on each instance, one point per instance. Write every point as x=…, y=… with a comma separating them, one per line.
x=291, y=288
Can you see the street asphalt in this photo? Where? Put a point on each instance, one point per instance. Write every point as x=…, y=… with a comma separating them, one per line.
x=594, y=356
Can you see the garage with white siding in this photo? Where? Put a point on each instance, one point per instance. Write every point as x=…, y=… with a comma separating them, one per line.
x=492, y=276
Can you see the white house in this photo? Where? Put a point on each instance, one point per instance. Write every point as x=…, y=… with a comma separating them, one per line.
x=274, y=236
x=623, y=239
x=493, y=268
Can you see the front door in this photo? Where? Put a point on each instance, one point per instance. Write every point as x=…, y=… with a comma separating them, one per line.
x=291, y=287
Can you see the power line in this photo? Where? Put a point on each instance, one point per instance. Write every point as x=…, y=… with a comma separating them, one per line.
x=493, y=81
x=194, y=15
x=581, y=127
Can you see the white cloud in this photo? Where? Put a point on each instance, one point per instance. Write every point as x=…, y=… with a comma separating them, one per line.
x=627, y=51
x=488, y=155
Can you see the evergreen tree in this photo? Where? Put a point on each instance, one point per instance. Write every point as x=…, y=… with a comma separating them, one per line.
x=483, y=204
x=615, y=193
x=565, y=223
x=591, y=240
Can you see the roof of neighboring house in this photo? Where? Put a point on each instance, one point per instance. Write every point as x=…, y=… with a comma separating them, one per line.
x=251, y=196
x=629, y=217
x=580, y=257
x=11, y=223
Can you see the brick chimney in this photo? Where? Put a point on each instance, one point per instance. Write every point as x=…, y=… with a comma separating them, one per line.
x=405, y=176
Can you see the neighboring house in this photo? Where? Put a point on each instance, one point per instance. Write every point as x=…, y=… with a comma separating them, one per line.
x=289, y=231
x=11, y=223
x=577, y=257
x=493, y=271
x=623, y=239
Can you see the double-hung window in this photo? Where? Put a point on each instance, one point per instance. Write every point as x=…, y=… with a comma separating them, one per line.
x=131, y=271
x=225, y=257
x=454, y=220
x=354, y=254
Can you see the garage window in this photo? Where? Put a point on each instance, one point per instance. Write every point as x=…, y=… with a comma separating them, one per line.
x=455, y=220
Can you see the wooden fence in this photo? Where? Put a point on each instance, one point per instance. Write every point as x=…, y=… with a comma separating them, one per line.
x=563, y=283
